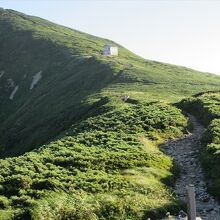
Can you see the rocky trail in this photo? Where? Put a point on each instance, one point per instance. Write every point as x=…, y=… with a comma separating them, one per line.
x=185, y=152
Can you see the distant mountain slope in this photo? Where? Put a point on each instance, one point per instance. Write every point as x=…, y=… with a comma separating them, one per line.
x=52, y=76
x=28, y=47
x=97, y=155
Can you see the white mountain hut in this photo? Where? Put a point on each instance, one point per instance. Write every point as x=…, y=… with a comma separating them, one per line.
x=109, y=50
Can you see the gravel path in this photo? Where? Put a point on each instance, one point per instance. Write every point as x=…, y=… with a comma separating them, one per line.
x=185, y=152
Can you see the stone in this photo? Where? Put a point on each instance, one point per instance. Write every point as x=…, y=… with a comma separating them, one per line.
x=206, y=199
x=185, y=152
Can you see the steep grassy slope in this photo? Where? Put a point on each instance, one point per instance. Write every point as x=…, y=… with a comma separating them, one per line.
x=28, y=46
x=72, y=68
x=100, y=158
x=206, y=108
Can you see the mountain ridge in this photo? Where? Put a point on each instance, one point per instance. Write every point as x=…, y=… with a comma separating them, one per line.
x=70, y=62
x=73, y=145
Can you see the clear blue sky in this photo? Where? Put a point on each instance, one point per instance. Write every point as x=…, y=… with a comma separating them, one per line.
x=179, y=32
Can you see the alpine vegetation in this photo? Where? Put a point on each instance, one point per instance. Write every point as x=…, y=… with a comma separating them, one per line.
x=80, y=130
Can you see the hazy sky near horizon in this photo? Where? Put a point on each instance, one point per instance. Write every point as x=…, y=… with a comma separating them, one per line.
x=174, y=31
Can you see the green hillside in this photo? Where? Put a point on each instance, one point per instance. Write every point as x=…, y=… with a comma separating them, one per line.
x=84, y=152
x=73, y=70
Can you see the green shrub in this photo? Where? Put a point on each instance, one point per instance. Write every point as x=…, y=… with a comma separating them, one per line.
x=4, y=202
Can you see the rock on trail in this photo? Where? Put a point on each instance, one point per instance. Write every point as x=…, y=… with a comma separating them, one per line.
x=185, y=151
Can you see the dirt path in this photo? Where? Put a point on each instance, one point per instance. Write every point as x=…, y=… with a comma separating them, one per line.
x=185, y=152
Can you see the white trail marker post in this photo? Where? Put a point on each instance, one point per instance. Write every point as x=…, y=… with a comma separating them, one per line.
x=191, y=202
